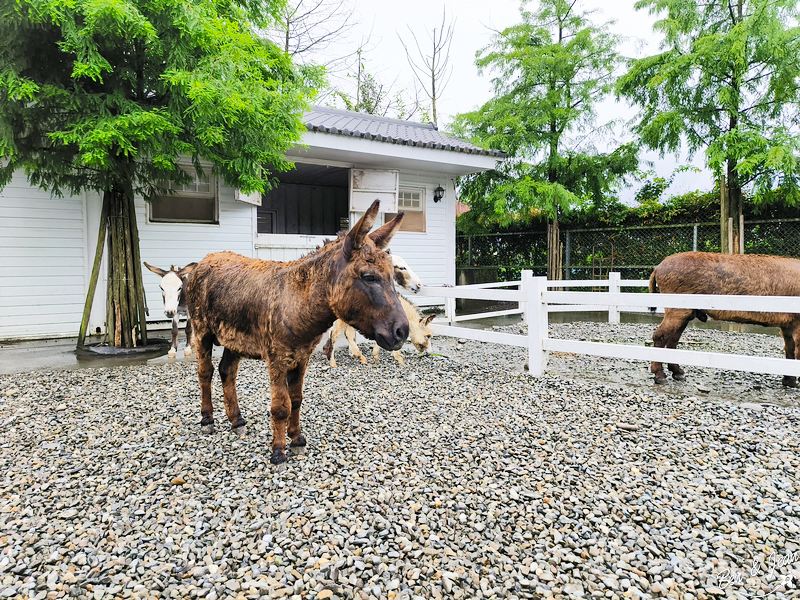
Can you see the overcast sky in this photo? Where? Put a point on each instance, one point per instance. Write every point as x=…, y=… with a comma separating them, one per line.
x=475, y=23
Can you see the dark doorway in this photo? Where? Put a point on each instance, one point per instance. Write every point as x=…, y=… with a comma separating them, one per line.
x=310, y=199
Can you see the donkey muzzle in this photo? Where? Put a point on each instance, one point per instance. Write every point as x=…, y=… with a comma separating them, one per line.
x=393, y=336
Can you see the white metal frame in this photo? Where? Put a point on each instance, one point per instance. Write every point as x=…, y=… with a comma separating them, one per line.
x=536, y=301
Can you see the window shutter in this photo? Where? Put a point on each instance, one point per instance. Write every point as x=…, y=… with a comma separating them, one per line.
x=251, y=198
x=368, y=185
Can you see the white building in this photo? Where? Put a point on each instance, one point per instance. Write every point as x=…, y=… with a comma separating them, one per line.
x=345, y=161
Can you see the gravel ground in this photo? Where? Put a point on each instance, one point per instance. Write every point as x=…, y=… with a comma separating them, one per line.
x=457, y=477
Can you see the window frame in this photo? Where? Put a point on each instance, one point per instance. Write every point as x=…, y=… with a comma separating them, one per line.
x=423, y=202
x=212, y=194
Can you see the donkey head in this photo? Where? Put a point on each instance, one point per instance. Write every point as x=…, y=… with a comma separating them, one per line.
x=363, y=294
x=172, y=285
x=403, y=275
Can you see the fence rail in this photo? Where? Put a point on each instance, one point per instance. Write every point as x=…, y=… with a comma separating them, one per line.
x=536, y=301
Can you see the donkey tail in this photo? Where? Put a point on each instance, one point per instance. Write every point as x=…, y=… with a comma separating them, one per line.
x=653, y=289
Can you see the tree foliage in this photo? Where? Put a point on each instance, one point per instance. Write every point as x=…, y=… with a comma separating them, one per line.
x=109, y=96
x=725, y=82
x=94, y=93
x=551, y=70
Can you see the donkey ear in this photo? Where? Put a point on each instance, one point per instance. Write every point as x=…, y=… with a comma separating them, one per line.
x=427, y=319
x=156, y=270
x=355, y=237
x=187, y=269
x=383, y=234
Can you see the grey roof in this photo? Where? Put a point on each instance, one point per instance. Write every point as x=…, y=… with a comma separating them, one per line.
x=383, y=129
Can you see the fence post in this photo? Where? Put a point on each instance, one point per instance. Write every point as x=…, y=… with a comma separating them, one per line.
x=613, y=288
x=694, y=238
x=450, y=310
x=567, y=255
x=536, y=320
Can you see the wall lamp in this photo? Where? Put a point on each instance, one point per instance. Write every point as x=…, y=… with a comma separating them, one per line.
x=438, y=194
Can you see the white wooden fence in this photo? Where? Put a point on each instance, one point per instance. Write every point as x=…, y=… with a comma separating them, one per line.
x=537, y=298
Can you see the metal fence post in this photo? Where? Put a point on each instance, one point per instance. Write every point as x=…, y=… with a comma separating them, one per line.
x=567, y=253
x=536, y=320
x=694, y=238
x=613, y=287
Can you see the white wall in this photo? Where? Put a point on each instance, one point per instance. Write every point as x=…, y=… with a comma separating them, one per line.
x=165, y=244
x=431, y=255
x=43, y=262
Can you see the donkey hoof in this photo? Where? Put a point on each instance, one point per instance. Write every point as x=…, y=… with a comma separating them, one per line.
x=278, y=457
x=788, y=381
x=299, y=441
x=208, y=428
x=172, y=353
x=187, y=351
x=678, y=376
x=241, y=431
x=660, y=380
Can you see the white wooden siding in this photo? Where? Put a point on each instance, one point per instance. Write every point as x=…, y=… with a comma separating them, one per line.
x=165, y=244
x=42, y=262
x=427, y=253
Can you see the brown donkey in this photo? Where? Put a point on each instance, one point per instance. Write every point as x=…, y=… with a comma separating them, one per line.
x=278, y=311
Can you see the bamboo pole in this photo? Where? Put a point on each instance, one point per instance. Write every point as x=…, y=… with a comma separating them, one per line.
x=98, y=258
x=137, y=273
x=123, y=333
x=111, y=320
x=130, y=280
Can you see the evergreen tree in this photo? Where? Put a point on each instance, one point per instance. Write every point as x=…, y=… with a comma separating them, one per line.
x=551, y=71
x=725, y=82
x=108, y=96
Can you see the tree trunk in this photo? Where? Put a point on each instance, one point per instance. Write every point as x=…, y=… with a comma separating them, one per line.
x=554, y=262
x=730, y=211
x=126, y=309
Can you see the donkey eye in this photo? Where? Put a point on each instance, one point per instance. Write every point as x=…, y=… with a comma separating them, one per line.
x=369, y=277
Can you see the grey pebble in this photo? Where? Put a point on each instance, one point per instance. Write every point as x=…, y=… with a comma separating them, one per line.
x=448, y=478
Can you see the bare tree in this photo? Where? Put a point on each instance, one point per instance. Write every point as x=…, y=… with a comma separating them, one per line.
x=309, y=28
x=373, y=96
x=432, y=68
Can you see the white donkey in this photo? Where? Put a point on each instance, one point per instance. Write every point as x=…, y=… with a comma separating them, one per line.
x=172, y=284
x=419, y=332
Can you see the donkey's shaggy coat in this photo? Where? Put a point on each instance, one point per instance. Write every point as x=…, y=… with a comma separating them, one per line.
x=727, y=274
x=278, y=311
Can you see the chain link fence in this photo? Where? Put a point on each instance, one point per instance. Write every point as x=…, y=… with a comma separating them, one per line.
x=593, y=253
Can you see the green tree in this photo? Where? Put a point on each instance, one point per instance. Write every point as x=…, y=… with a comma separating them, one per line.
x=726, y=81
x=551, y=71
x=108, y=96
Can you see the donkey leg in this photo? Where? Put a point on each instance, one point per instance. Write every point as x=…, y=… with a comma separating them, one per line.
x=205, y=369
x=294, y=381
x=280, y=409
x=667, y=336
x=791, y=346
x=228, y=367
x=173, y=347
x=376, y=353
x=187, y=351
x=350, y=334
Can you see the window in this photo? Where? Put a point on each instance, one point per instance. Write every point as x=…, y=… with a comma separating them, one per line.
x=194, y=202
x=412, y=202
